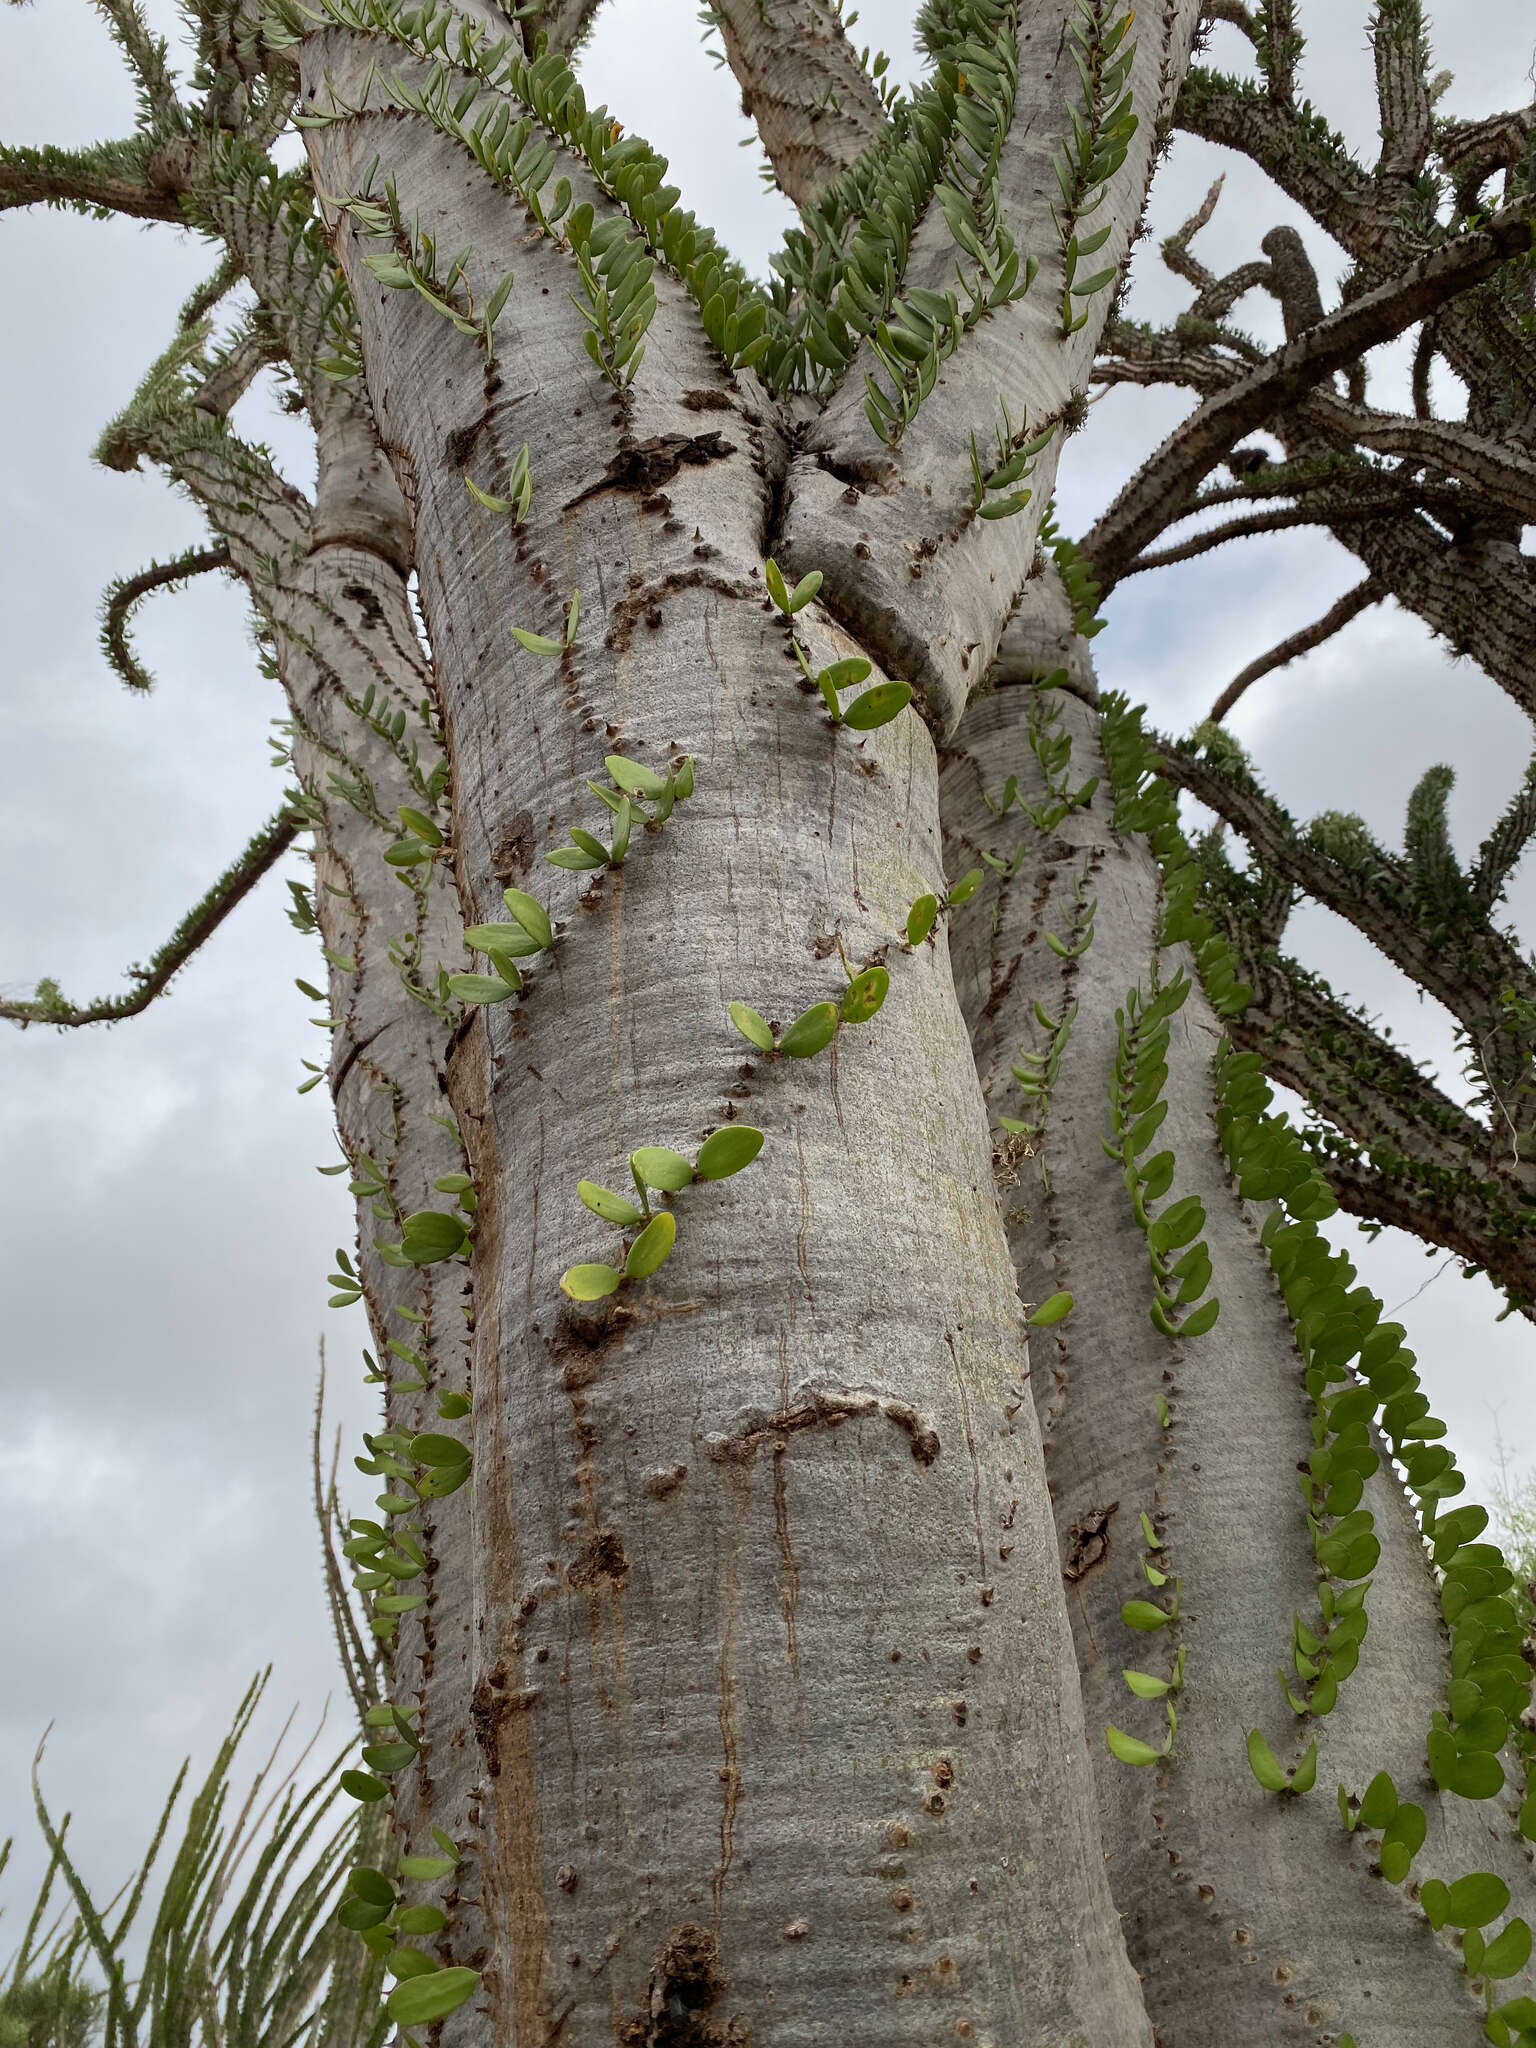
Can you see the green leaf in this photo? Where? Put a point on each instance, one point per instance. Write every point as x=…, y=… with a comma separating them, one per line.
x=502, y=941
x=1476, y=1900
x=421, y=1919
x=1435, y=1898
x=1177, y=1225
x=605, y=1203
x=1509, y=1951
x=388, y=1757
x=1128, y=1749
x=358, y=1785
x=804, y=591
x=652, y=1246
x=452, y=1406
x=1203, y=1319
x=1403, y=1839
x=426, y=1869
x=485, y=988
x=864, y=995
x=417, y=2001
x=531, y=915
x=660, y=1167
x=430, y=1236
x=1262, y=1762
x=359, y=1913
x=842, y=675
x=633, y=777
x=811, y=1030
x=419, y=823
x=965, y=888
x=573, y=857
x=1054, y=1309
x=406, y=853
x=751, y=1025
x=877, y=706
x=727, y=1151
x=590, y=1283
x=371, y=1884
x=774, y=577
x=537, y=643
x=1143, y=1615
x=1145, y=1686
x=430, y=1448
x=1304, y=1777
x=921, y=919
x=1379, y=1806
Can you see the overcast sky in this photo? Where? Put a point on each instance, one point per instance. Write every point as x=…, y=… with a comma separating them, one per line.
x=165, y=1234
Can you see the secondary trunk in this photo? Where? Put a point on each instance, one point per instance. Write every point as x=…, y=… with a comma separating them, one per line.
x=1251, y=1916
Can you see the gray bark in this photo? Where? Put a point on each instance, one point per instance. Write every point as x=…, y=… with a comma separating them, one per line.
x=764, y=1544
x=1249, y=1917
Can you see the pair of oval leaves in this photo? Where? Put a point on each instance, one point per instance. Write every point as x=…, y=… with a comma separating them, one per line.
x=725, y=1152
x=819, y=1025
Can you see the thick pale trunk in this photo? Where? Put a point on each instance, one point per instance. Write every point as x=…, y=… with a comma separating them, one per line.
x=778, y=1734
x=1250, y=1917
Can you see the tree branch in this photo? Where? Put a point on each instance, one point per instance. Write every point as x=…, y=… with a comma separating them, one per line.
x=815, y=107
x=125, y=595
x=1349, y=606
x=50, y=1006
x=108, y=179
x=1459, y=961
x=1142, y=508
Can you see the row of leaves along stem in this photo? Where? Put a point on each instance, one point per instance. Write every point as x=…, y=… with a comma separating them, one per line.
x=1052, y=749
x=1150, y=1616
x=654, y=1169
x=1178, y=1254
x=1347, y=1347
x=1076, y=573
x=1342, y=1339
x=1017, y=451
x=838, y=277
x=816, y=1027
x=1102, y=127
x=924, y=327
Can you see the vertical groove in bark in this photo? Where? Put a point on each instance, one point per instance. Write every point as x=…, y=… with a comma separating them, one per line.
x=1249, y=1917
x=773, y=1694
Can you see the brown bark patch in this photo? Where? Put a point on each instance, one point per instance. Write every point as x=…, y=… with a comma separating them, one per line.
x=603, y=1560
x=512, y=855
x=1087, y=1543
x=645, y=466
x=491, y=1705
x=686, y=1983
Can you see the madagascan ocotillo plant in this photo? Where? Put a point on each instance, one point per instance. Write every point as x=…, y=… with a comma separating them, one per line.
x=789, y=1059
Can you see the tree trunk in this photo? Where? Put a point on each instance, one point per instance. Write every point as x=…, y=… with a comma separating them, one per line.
x=761, y=1543
x=1250, y=1916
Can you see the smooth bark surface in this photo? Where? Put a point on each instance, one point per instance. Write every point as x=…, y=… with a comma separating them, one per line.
x=1250, y=1917
x=774, y=1702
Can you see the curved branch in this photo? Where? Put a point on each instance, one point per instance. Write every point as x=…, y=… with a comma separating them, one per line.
x=128, y=592
x=1458, y=969
x=815, y=106
x=1310, y=513
x=105, y=180
x=1142, y=509
x=49, y=1006
x=1350, y=605
x=1450, y=1216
